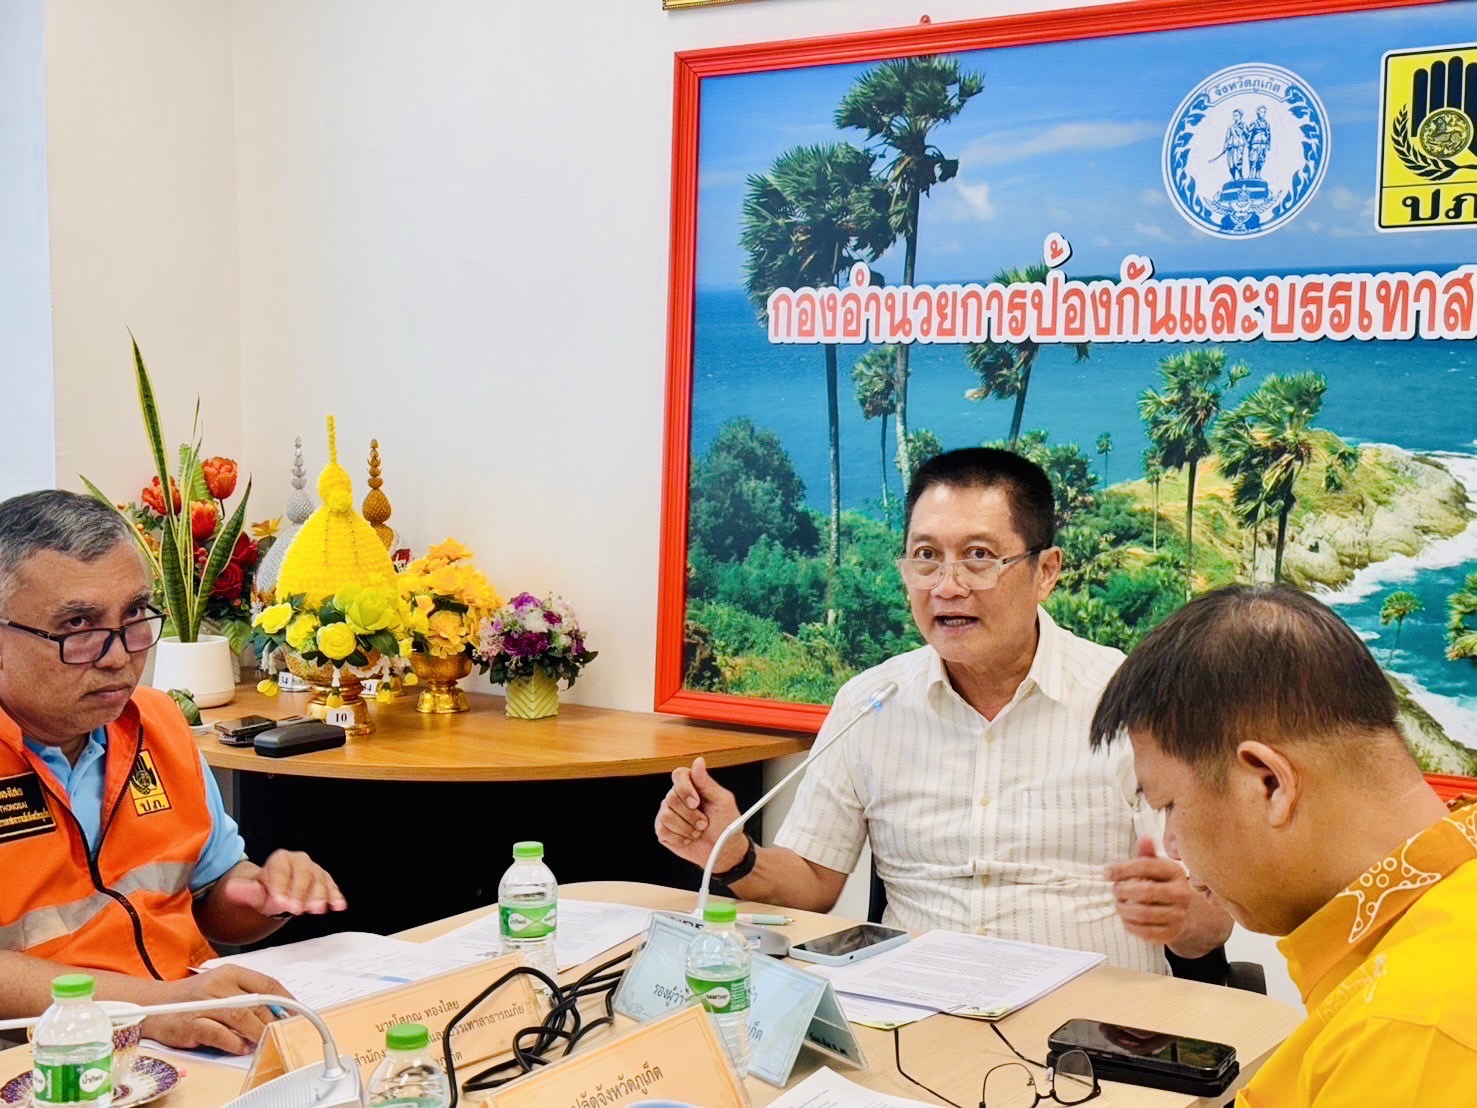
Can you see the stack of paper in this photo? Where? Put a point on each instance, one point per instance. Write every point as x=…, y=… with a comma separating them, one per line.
x=944, y=971
x=587, y=929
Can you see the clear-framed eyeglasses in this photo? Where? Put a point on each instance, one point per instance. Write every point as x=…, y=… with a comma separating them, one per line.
x=1069, y=1080
x=969, y=573
x=85, y=648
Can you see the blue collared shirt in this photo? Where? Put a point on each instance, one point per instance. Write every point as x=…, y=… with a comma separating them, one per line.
x=83, y=783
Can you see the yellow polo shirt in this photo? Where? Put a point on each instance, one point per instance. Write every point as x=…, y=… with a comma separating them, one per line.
x=1388, y=970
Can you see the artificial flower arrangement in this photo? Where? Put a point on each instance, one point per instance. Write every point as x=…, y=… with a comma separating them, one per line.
x=527, y=637
x=202, y=563
x=448, y=599
x=350, y=628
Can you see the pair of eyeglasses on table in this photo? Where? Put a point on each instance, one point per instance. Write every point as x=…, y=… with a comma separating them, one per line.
x=1013, y=1085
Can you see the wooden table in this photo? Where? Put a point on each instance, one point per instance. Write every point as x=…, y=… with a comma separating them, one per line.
x=484, y=745
x=949, y=1054
x=446, y=797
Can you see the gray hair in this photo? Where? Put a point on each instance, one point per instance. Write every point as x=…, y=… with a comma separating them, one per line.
x=77, y=526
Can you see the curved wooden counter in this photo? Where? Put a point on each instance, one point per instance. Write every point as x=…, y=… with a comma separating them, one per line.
x=484, y=745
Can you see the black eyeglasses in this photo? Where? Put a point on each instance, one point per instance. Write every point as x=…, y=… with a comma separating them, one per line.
x=1069, y=1077
x=85, y=648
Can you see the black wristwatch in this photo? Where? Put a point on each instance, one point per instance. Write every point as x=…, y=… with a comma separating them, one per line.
x=744, y=867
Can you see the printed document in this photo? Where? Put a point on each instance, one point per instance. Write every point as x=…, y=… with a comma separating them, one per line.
x=950, y=972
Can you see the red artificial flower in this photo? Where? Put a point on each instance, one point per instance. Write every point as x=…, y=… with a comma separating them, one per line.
x=203, y=518
x=153, y=498
x=230, y=582
x=244, y=553
x=220, y=476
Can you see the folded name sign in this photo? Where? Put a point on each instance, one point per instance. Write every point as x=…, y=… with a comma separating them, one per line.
x=359, y=1027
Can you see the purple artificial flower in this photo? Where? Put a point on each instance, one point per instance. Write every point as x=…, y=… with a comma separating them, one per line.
x=526, y=644
x=524, y=601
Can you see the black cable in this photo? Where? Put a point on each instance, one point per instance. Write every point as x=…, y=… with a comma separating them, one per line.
x=563, y=1023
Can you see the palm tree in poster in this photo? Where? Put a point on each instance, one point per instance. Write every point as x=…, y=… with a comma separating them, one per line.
x=1399, y=606
x=1104, y=448
x=876, y=394
x=807, y=221
x=1154, y=474
x=897, y=105
x=1178, y=418
x=1004, y=368
x=1276, y=440
x=1461, y=627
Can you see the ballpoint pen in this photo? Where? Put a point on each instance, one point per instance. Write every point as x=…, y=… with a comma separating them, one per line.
x=765, y=920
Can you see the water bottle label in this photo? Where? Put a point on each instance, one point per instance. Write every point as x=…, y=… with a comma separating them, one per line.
x=72, y=1082
x=525, y=921
x=721, y=997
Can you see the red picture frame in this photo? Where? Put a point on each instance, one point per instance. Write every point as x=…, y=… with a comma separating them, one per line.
x=691, y=70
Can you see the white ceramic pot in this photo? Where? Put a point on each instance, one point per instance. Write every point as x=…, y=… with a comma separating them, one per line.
x=204, y=668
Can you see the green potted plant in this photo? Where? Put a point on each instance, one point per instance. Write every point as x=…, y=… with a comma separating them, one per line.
x=187, y=558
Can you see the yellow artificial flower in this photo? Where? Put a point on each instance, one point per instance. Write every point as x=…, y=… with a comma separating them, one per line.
x=346, y=596
x=406, y=646
x=268, y=687
x=336, y=641
x=267, y=528
x=451, y=550
x=301, y=630
x=424, y=604
x=385, y=694
x=444, y=635
x=448, y=580
x=273, y=619
x=372, y=609
x=411, y=679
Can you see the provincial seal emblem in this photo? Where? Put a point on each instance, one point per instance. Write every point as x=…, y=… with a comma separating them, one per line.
x=1246, y=150
x=1428, y=140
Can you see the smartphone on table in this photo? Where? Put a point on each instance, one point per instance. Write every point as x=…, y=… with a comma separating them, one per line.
x=849, y=944
x=1155, y=1059
x=241, y=731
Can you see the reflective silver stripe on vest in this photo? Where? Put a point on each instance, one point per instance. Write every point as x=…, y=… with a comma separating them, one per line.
x=44, y=925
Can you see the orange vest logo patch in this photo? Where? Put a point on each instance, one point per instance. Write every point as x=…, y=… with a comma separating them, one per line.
x=145, y=787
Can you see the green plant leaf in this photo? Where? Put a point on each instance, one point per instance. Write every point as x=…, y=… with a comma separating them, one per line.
x=191, y=476
x=220, y=551
x=385, y=643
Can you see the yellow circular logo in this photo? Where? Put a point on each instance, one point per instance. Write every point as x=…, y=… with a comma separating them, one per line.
x=1445, y=133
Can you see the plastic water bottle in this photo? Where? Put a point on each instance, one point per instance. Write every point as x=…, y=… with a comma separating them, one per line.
x=72, y=1048
x=410, y=1076
x=528, y=908
x=718, y=974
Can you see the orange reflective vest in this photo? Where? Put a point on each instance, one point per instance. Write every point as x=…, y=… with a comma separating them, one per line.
x=126, y=906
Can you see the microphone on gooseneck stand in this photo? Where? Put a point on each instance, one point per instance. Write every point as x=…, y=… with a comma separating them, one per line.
x=334, y=1084
x=874, y=703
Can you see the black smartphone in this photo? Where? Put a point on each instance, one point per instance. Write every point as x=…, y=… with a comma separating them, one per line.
x=1156, y=1059
x=240, y=732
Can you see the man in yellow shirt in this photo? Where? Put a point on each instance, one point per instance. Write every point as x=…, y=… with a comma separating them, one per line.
x=1267, y=733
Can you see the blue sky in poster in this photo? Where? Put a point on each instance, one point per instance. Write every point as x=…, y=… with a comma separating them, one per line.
x=1069, y=137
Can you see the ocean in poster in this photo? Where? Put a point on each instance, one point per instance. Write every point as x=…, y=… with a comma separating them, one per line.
x=1419, y=395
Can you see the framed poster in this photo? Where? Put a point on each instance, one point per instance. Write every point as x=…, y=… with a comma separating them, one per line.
x=1215, y=277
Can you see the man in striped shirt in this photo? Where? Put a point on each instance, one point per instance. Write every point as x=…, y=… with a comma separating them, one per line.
x=986, y=809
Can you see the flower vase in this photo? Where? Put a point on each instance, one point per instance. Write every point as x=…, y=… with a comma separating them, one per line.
x=535, y=697
x=440, y=694
x=352, y=713
x=203, y=668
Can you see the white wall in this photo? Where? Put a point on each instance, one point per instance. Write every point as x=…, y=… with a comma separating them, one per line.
x=143, y=229
x=27, y=448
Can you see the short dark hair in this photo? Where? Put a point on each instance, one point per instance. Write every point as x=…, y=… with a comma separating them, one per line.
x=78, y=526
x=1026, y=486
x=1247, y=662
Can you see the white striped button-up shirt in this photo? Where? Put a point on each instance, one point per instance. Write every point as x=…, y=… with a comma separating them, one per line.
x=998, y=827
